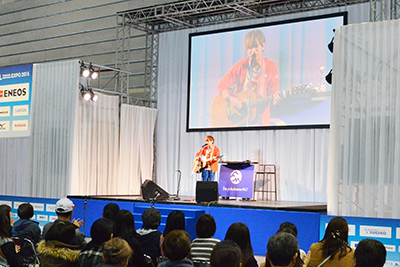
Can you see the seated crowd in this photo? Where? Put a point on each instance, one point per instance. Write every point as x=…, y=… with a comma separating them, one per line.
x=116, y=242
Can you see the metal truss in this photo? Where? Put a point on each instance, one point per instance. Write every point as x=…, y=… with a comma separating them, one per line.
x=198, y=13
x=384, y=10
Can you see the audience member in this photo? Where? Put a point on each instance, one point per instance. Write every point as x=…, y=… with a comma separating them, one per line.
x=9, y=256
x=282, y=250
x=64, y=210
x=102, y=230
x=125, y=228
x=110, y=210
x=240, y=234
x=148, y=236
x=291, y=228
x=226, y=254
x=117, y=252
x=59, y=248
x=370, y=253
x=333, y=249
x=175, y=221
x=176, y=247
x=25, y=227
x=203, y=245
x=5, y=216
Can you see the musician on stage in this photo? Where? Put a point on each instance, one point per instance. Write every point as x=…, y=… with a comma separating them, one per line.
x=255, y=73
x=208, y=155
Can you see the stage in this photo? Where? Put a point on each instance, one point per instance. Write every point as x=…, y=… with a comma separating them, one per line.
x=233, y=203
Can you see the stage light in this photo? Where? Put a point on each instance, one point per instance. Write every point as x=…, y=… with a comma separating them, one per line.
x=93, y=96
x=84, y=71
x=93, y=73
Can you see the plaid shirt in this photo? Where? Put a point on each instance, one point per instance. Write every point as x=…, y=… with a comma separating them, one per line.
x=91, y=257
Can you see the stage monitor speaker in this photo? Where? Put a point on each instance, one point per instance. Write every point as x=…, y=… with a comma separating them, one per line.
x=151, y=190
x=206, y=191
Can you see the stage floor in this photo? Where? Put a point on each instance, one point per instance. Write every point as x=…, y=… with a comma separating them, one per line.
x=234, y=203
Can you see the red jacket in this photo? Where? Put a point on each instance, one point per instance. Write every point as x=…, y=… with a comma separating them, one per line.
x=236, y=77
x=215, y=153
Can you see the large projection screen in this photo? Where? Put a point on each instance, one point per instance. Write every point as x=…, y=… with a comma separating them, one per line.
x=269, y=76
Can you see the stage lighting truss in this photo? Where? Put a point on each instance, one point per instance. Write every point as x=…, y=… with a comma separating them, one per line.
x=88, y=72
x=87, y=93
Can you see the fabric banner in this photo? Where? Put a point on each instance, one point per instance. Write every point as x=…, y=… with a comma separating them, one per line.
x=15, y=101
x=236, y=181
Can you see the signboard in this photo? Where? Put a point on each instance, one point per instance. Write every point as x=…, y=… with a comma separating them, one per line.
x=15, y=101
x=385, y=230
x=236, y=181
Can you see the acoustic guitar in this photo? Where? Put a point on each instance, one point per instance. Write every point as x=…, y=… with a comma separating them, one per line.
x=224, y=114
x=202, y=163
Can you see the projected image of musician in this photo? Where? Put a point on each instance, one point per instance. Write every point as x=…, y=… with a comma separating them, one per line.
x=206, y=161
x=248, y=88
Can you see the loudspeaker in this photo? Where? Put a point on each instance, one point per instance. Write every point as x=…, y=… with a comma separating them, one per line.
x=206, y=191
x=151, y=190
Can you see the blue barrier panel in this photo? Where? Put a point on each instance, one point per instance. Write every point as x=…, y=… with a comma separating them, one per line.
x=264, y=223
x=385, y=230
x=43, y=208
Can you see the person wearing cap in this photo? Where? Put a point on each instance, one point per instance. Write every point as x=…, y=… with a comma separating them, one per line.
x=64, y=210
x=149, y=236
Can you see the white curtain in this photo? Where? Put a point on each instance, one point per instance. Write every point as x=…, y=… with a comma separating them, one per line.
x=301, y=156
x=137, y=146
x=96, y=153
x=364, y=170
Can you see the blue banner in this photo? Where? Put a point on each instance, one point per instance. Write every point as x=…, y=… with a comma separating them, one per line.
x=15, y=101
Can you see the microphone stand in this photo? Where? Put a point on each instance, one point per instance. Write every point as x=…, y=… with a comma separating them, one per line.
x=179, y=185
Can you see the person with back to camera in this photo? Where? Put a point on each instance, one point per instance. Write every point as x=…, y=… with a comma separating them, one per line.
x=117, y=252
x=110, y=210
x=64, y=210
x=176, y=247
x=148, y=236
x=240, y=234
x=102, y=230
x=203, y=245
x=125, y=228
x=9, y=255
x=5, y=216
x=25, y=227
x=282, y=250
x=370, y=253
x=226, y=254
x=59, y=248
x=333, y=249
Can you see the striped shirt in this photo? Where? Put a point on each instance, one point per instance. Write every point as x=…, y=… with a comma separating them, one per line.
x=201, y=248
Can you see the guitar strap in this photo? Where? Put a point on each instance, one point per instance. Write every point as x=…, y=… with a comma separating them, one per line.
x=261, y=91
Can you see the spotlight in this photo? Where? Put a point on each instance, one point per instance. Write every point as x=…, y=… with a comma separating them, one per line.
x=92, y=72
x=93, y=96
x=84, y=71
x=85, y=95
x=328, y=78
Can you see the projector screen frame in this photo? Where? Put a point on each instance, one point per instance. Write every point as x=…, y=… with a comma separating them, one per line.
x=343, y=15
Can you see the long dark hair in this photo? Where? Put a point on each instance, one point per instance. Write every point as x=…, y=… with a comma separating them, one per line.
x=125, y=224
x=5, y=220
x=240, y=234
x=336, y=238
x=175, y=221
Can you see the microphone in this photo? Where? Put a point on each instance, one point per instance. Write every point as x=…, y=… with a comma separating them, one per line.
x=204, y=145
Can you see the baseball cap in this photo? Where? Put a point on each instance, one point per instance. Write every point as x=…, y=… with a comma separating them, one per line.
x=64, y=205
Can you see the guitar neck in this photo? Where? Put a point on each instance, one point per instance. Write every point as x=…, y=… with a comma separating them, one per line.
x=269, y=99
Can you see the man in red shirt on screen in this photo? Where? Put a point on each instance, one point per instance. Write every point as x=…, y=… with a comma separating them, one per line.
x=248, y=88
